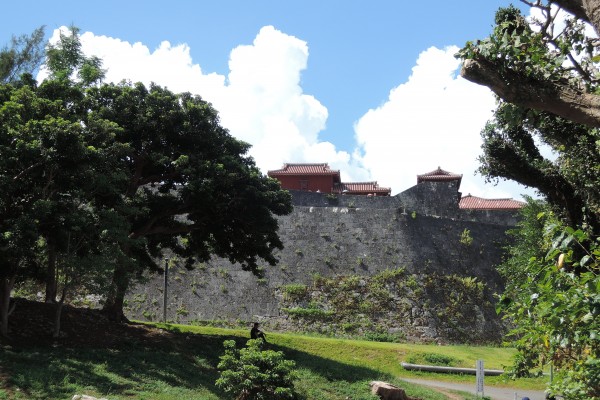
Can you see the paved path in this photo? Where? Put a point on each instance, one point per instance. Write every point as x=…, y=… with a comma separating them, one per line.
x=496, y=393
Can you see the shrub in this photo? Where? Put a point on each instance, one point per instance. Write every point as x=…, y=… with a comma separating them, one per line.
x=384, y=337
x=295, y=290
x=465, y=238
x=251, y=373
x=310, y=313
x=433, y=359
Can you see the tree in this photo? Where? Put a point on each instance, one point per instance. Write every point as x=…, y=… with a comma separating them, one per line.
x=556, y=312
x=547, y=83
x=24, y=55
x=97, y=175
x=180, y=181
x=47, y=174
x=190, y=188
x=69, y=191
x=66, y=61
x=547, y=70
x=531, y=70
x=570, y=182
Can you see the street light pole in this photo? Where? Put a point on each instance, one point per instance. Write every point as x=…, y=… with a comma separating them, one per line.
x=165, y=288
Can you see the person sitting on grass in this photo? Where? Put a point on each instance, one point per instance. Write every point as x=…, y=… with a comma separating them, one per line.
x=256, y=333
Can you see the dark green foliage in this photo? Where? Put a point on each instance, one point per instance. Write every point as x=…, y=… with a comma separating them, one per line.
x=510, y=14
x=555, y=309
x=252, y=373
x=433, y=359
x=66, y=59
x=103, y=177
x=552, y=272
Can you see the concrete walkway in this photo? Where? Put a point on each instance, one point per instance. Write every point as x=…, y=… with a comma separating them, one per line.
x=494, y=392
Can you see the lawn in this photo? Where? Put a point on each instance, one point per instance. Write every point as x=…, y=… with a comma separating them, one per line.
x=182, y=365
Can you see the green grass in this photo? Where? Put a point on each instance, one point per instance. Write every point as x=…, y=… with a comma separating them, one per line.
x=328, y=369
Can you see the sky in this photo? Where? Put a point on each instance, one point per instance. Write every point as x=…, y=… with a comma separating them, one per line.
x=371, y=88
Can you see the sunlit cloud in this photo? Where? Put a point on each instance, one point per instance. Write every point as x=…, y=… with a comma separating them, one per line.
x=433, y=119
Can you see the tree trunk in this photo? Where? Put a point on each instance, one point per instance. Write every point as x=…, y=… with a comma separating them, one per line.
x=113, y=308
x=6, y=286
x=59, y=307
x=51, y=285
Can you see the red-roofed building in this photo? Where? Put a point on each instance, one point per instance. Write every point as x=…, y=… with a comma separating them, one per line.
x=361, y=188
x=439, y=175
x=307, y=177
x=320, y=178
x=477, y=203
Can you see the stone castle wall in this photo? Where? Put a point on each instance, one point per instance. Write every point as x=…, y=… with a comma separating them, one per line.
x=330, y=240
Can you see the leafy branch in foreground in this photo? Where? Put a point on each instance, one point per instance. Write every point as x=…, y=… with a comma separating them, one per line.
x=554, y=301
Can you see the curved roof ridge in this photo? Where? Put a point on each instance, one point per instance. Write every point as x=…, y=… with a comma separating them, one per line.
x=304, y=168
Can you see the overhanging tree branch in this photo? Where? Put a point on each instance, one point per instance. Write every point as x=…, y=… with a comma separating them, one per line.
x=562, y=100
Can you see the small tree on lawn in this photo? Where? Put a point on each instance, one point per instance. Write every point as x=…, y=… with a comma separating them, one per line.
x=254, y=374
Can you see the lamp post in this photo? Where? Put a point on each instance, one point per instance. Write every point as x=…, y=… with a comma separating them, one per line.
x=165, y=288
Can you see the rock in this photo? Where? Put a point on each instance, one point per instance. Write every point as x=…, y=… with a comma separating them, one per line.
x=85, y=397
x=385, y=391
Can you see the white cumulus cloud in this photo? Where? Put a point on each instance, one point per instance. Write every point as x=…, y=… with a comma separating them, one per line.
x=260, y=101
x=431, y=120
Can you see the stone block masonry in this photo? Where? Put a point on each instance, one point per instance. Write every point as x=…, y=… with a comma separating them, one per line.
x=354, y=265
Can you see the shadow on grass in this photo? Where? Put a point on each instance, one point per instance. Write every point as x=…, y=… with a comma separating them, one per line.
x=183, y=366
x=59, y=373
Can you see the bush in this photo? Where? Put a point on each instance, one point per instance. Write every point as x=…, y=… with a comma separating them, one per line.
x=433, y=359
x=385, y=337
x=294, y=290
x=254, y=374
x=310, y=313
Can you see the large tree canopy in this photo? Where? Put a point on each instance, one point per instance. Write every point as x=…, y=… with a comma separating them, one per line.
x=113, y=175
x=546, y=76
x=190, y=187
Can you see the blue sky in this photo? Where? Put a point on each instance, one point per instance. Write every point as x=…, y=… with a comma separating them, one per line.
x=369, y=87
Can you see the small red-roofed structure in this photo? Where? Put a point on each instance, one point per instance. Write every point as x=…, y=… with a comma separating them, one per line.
x=477, y=203
x=439, y=175
x=361, y=188
x=320, y=178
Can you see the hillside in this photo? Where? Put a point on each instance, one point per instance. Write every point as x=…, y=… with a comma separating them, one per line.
x=123, y=361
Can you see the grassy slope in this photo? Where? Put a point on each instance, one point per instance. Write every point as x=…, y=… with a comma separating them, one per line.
x=328, y=368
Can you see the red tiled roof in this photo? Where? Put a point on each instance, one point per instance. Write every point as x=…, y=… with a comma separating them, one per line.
x=439, y=175
x=477, y=203
x=304, y=169
x=360, y=187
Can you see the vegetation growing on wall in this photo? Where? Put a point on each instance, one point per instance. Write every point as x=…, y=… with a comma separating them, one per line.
x=391, y=301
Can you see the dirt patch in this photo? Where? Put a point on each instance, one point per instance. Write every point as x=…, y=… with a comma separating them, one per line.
x=32, y=324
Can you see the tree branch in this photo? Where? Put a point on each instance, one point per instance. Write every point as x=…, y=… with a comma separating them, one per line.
x=561, y=100
x=26, y=170
x=574, y=7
